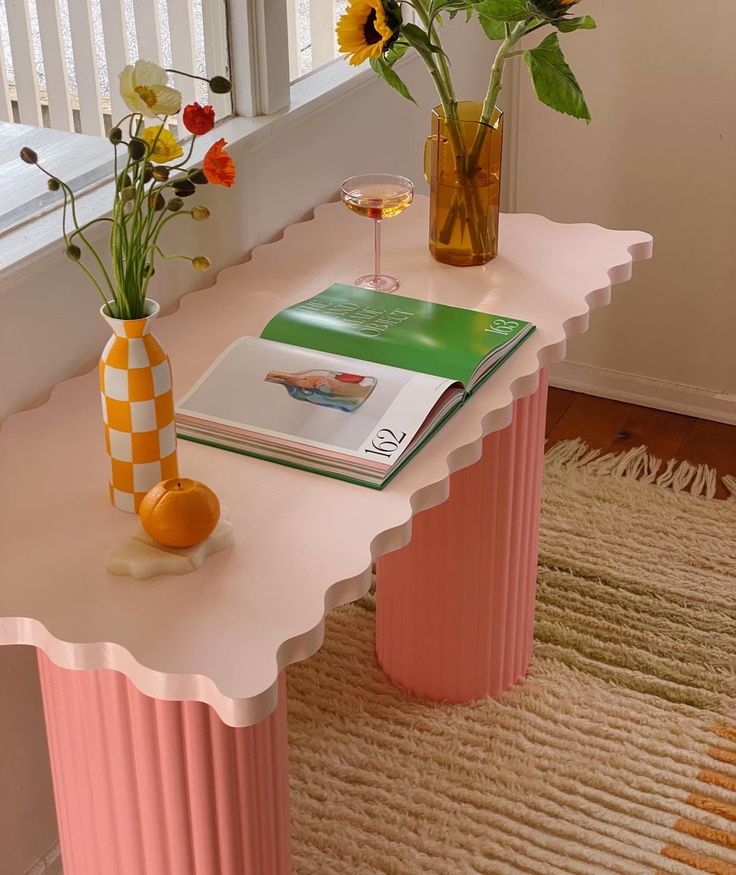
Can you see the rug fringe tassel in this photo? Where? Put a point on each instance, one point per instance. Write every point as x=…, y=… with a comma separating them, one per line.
x=729, y=481
x=638, y=464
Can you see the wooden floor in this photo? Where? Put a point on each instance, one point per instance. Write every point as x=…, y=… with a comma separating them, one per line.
x=613, y=426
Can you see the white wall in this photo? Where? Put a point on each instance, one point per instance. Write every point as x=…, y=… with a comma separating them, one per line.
x=50, y=329
x=660, y=155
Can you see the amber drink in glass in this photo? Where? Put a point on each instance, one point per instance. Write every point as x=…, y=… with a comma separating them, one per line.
x=377, y=196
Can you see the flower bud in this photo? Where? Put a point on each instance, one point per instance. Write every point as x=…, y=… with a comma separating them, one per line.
x=197, y=176
x=28, y=155
x=53, y=184
x=161, y=173
x=137, y=148
x=127, y=194
x=74, y=252
x=220, y=85
x=175, y=204
x=201, y=262
x=149, y=270
x=156, y=202
x=184, y=188
x=124, y=180
x=199, y=213
x=147, y=172
x=115, y=136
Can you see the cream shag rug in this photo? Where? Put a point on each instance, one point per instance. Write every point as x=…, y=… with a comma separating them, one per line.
x=616, y=754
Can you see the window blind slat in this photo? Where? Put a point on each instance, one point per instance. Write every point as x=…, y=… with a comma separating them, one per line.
x=214, y=21
x=322, y=20
x=85, y=64
x=6, y=110
x=57, y=84
x=293, y=37
x=148, y=29
x=24, y=67
x=117, y=52
x=181, y=30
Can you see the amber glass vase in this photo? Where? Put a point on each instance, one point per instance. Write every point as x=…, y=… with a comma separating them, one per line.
x=462, y=164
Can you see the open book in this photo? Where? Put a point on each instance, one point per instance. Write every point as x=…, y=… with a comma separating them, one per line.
x=349, y=383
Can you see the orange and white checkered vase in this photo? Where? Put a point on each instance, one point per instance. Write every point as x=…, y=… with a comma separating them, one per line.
x=137, y=409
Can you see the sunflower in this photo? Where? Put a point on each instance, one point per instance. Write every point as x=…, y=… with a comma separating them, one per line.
x=552, y=9
x=367, y=29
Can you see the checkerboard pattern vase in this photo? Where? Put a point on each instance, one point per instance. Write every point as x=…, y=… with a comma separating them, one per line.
x=137, y=409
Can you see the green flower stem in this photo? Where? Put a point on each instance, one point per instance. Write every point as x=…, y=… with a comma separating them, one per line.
x=171, y=257
x=189, y=155
x=153, y=246
x=88, y=225
x=80, y=230
x=494, y=86
x=467, y=204
x=66, y=241
x=188, y=75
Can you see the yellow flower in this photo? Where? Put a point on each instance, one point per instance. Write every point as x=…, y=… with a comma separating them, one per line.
x=166, y=148
x=144, y=89
x=363, y=31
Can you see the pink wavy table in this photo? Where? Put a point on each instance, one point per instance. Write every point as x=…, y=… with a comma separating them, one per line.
x=164, y=699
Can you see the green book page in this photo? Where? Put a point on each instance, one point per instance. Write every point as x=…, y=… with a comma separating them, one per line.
x=393, y=330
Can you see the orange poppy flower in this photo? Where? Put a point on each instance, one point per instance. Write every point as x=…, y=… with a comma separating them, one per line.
x=218, y=166
x=198, y=119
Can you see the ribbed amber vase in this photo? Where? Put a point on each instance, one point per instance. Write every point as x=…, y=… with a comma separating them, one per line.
x=462, y=164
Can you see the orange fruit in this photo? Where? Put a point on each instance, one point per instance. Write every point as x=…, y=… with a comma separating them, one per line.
x=179, y=512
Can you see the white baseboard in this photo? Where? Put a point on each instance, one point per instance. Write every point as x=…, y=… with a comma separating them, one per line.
x=49, y=864
x=660, y=394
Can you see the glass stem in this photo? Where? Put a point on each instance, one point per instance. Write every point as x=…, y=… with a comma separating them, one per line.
x=377, y=246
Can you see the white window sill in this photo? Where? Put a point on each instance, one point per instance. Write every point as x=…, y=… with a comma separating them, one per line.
x=32, y=239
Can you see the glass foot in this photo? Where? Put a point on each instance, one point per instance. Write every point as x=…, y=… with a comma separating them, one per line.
x=380, y=283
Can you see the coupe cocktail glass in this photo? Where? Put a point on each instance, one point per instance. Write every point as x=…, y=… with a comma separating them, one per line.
x=377, y=196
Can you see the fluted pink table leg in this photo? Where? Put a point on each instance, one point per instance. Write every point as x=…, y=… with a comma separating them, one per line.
x=455, y=606
x=150, y=787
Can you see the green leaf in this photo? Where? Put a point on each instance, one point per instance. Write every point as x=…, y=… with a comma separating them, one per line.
x=553, y=80
x=503, y=10
x=451, y=6
x=582, y=22
x=383, y=68
x=494, y=30
x=397, y=50
x=416, y=37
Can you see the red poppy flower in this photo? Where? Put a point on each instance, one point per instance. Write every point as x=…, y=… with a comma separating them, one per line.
x=198, y=119
x=218, y=166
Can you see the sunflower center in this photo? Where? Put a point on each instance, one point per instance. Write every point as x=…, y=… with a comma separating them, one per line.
x=372, y=36
x=146, y=94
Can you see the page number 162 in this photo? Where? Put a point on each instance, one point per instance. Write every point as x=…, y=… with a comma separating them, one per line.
x=386, y=442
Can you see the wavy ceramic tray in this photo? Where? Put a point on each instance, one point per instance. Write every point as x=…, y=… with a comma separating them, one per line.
x=304, y=543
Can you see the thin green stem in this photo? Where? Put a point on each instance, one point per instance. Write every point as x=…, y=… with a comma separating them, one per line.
x=188, y=75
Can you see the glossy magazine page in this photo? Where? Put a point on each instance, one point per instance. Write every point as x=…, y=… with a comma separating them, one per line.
x=299, y=405
x=403, y=332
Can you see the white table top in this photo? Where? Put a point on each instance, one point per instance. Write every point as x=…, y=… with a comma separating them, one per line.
x=304, y=543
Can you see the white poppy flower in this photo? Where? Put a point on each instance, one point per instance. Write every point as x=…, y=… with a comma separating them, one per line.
x=143, y=87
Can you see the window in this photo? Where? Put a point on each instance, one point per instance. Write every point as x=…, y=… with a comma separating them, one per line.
x=60, y=58
x=59, y=61
x=312, y=40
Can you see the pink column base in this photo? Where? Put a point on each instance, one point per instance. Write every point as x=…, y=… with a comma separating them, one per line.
x=149, y=787
x=455, y=606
